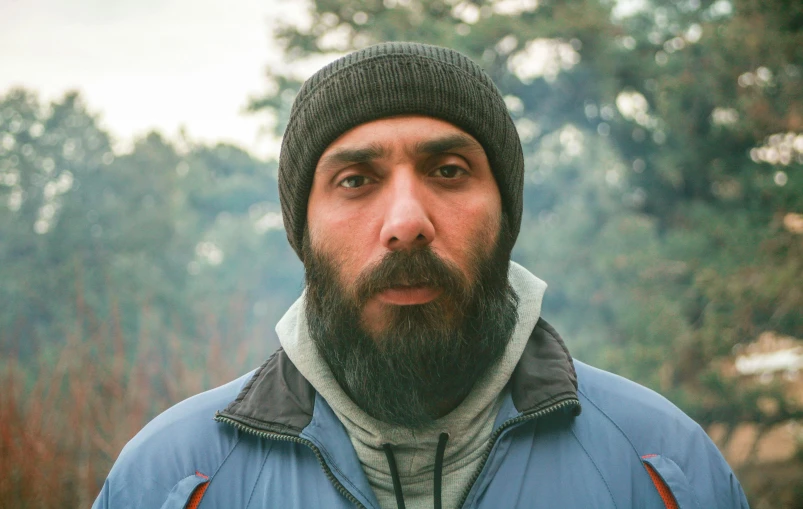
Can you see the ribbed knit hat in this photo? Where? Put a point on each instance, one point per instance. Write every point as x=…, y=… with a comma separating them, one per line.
x=392, y=79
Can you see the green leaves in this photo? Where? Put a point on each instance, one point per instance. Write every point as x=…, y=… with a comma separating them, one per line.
x=184, y=231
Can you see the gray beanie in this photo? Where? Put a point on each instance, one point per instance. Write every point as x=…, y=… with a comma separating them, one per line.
x=392, y=79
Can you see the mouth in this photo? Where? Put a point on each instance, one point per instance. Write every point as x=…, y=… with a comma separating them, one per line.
x=408, y=295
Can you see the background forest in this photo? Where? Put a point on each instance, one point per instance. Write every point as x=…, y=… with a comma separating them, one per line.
x=663, y=205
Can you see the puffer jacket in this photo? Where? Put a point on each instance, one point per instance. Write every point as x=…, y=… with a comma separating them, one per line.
x=268, y=440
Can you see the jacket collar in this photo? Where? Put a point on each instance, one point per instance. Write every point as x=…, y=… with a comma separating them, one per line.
x=278, y=399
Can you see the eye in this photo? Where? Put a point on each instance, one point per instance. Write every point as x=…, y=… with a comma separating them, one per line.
x=450, y=171
x=354, y=181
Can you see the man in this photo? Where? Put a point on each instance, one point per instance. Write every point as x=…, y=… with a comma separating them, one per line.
x=415, y=370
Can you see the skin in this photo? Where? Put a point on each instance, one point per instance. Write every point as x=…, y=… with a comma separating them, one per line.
x=402, y=183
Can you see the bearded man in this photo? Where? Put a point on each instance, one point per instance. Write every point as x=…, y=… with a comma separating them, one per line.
x=415, y=370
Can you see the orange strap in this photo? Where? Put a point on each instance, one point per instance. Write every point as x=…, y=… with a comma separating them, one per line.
x=663, y=489
x=197, y=494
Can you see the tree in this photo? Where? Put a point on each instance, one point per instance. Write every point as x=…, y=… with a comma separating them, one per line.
x=90, y=237
x=130, y=281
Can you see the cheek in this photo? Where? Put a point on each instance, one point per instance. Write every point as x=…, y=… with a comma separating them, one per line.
x=343, y=239
x=470, y=229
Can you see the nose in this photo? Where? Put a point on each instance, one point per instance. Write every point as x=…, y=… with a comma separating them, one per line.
x=407, y=222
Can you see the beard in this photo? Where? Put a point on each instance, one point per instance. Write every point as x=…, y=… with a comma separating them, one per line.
x=427, y=358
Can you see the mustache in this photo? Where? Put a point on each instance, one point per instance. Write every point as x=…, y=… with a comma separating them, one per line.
x=418, y=267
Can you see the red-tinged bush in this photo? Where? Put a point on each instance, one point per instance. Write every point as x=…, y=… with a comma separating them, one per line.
x=64, y=419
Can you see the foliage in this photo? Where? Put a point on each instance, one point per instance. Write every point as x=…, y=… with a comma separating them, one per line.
x=184, y=232
x=60, y=435
x=130, y=281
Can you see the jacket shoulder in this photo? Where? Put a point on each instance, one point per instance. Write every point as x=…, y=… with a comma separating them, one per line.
x=186, y=422
x=637, y=411
x=177, y=443
x=659, y=434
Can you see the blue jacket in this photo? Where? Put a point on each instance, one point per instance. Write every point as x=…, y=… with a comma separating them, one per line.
x=268, y=440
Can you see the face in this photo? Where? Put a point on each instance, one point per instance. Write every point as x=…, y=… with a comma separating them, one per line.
x=399, y=185
x=407, y=293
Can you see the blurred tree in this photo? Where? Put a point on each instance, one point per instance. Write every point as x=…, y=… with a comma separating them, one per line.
x=90, y=238
x=48, y=158
x=244, y=272
x=130, y=281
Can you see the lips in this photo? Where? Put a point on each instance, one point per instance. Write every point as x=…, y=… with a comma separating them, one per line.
x=408, y=295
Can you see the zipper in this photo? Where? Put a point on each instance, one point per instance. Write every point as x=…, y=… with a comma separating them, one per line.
x=290, y=438
x=343, y=491
x=504, y=426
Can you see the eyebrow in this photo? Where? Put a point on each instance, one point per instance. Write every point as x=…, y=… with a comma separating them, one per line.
x=376, y=151
x=447, y=144
x=353, y=156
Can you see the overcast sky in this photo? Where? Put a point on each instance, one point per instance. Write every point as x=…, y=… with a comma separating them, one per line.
x=145, y=64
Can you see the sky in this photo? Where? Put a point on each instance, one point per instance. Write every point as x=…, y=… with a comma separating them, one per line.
x=149, y=64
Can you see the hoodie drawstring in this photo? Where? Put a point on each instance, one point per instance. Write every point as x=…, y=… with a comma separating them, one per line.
x=439, y=468
x=394, y=474
x=438, y=474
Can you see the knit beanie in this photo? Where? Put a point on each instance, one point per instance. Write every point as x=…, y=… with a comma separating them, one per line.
x=391, y=79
